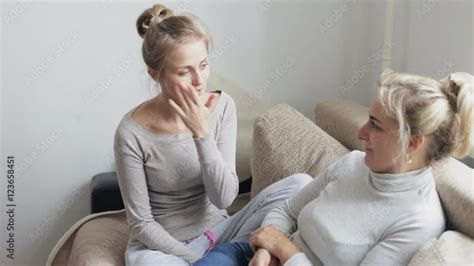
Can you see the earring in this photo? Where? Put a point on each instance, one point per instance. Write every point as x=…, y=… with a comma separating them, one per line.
x=409, y=158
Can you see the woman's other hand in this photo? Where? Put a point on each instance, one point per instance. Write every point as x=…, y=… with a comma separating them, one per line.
x=195, y=114
x=274, y=241
x=263, y=258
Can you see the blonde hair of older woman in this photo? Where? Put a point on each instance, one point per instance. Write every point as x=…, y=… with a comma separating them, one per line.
x=442, y=110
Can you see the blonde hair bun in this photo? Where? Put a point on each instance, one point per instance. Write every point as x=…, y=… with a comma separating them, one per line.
x=152, y=15
x=442, y=110
x=454, y=85
x=459, y=87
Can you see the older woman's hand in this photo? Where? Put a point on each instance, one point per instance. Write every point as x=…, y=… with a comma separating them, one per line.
x=263, y=258
x=274, y=241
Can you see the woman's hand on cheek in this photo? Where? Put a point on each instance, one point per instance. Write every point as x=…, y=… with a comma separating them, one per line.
x=195, y=114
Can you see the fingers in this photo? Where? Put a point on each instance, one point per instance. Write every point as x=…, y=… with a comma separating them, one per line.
x=177, y=108
x=261, y=258
x=193, y=95
x=255, y=262
x=212, y=101
x=252, y=262
x=187, y=95
x=181, y=97
x=190, y=96
x=255, y=240
x=254, y=248
x=273, y=261
x=267, y=237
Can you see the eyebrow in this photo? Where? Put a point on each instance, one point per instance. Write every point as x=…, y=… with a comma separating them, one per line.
x=189, y=65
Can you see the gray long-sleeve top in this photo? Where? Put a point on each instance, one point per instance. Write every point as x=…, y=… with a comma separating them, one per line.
x=175, y=187
x=349, y=215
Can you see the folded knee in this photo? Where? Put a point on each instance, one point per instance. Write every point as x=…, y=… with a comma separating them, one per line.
x=299, y=180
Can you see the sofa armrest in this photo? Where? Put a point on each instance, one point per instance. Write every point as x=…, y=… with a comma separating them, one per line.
x=452, y=248
x=101, y=241
x=285, y=142
x=454, y=183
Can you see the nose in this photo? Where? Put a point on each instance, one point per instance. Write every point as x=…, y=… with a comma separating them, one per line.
x=197, y=79
x=362, y=134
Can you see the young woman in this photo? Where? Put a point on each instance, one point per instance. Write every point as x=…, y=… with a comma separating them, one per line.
x=175, y=153
x=379, y=206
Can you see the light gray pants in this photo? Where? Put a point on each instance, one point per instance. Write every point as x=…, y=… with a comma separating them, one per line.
x=236, y=228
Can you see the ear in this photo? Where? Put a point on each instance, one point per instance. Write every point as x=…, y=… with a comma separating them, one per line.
x=152, y=73
x=416, y=142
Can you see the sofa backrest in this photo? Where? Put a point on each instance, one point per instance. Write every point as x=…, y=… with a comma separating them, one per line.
x=454, y=180
x=285, y=142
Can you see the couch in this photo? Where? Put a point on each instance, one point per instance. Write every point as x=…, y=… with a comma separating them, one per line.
x=285, y=142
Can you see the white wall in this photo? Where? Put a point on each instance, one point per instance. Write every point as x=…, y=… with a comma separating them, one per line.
x=71, y=70
x=438, y=39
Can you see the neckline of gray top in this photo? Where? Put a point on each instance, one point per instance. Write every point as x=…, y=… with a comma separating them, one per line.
x=187, y=135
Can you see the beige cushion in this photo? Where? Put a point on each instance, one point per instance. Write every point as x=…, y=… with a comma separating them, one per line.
x=455, y=185
x=342, y=119
x=452, y=248
x=284, y=143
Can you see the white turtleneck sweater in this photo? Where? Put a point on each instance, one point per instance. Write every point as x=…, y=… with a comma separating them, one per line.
x=349, y=215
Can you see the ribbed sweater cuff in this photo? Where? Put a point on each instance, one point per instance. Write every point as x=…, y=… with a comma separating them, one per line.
x=298, y=259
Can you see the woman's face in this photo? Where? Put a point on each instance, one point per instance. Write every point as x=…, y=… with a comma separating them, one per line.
x=186, y=65
x=381, y=141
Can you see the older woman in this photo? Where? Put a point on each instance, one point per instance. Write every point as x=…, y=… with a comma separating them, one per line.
x=379, y=206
